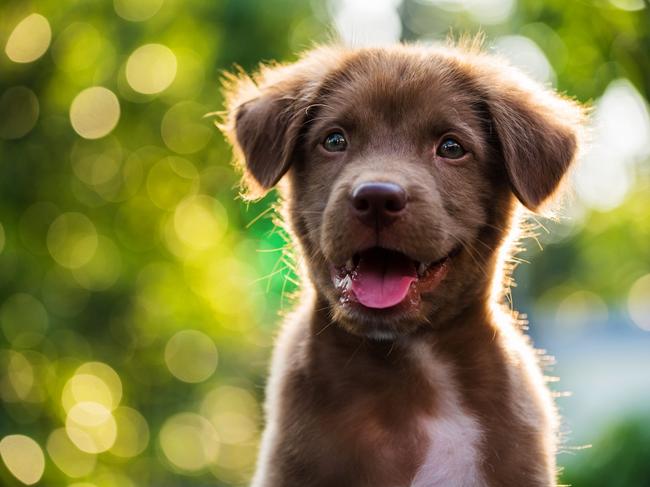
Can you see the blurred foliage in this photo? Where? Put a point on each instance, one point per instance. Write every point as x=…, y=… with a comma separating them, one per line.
x=618, y=459
x=138, y=294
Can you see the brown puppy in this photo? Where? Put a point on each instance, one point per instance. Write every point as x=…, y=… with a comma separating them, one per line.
x=403, y=168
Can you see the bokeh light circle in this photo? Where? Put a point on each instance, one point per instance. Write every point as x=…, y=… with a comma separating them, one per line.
x=67, y=457
x=19, y=108
x=23, y=457
x=580, y=309
x=151, y=68
x=94, y=112
x=93, y=382
x=29, y=40
x=83, y=388
x=18, y=375
x=78, y=47
x=200, y=222
x=137, y=10
x=527, y=56
x=638, y=302
x=234, y=413
x=189, y=442
x=91, y=427
x=108, y=375
x=72, y=240
x=191, y=356
x=132, y=433
x=103, y=269
x=170, y=180
x=184, y=128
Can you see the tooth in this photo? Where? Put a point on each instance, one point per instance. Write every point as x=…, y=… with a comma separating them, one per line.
x=422, y=268
x=349, y=265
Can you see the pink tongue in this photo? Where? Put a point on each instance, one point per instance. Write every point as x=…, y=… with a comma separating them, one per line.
x=382, y=279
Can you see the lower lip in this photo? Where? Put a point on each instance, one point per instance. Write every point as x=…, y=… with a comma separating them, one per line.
x=342, y=280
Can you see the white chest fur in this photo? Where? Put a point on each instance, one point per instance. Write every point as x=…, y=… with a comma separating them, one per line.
x=454, y=452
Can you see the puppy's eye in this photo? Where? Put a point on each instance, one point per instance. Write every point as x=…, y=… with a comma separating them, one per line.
x=450, y=149
x=335, y=142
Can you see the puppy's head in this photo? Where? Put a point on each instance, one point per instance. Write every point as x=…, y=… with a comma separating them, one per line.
x=403, y=167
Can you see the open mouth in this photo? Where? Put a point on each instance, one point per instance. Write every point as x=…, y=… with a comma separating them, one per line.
x=380, y=278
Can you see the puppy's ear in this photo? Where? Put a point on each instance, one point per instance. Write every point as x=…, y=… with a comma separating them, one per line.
x=539, y=133
x=265, y=114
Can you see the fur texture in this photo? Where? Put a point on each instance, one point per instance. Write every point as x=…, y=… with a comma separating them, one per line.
x=444, y=391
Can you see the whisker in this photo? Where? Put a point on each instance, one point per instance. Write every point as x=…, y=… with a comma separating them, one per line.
x=363, y=341
x=257, y=218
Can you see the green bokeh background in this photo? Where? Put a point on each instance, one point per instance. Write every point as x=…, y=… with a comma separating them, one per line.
x=112, y=246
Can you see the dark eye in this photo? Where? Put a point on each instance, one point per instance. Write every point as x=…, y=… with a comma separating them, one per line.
x=335, y=142
x=450, y=149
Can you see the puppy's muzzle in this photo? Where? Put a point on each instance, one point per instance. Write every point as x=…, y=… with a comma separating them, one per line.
x=378, y=204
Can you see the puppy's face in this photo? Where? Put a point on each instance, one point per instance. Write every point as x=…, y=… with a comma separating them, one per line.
x=391, y=191
x=402, y=166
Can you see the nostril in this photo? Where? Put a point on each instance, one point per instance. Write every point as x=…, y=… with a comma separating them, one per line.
x=361, y=204
x=395, y=204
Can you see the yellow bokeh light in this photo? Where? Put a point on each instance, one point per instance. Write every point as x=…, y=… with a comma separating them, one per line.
x=23, y=458
x=72, y=240
x=23, y=319
x=191, y=356
x=190, y=74
x=86, y=388
x=137, y=10
x=156, y=291
x=94, y=112
x=103, y=269
x=234, y=412
x=189, y=442
x=581, y=308
x=112, y=478
x=29, y=40
x=132, y=433
x=184, y=128
x=638, y=302
x=82, y=484
x=67, y=457
x=200, y=222
x=78, y=47
x=151, y=69
x=170, y=180
x=205, y=279
x=108, y=375
x=96, y=168
x=91, y=427
x=234, y=427
x=20, y=374
x=235, y=463
x=19, y=107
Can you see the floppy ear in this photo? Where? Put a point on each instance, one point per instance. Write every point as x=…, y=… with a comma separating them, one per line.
x=539, y=133
x=266, y=130
x=265, y=115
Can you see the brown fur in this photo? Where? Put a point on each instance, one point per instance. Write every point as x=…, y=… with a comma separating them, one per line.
x=343, y=408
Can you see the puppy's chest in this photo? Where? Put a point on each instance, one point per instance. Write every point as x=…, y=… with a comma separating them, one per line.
x=452, y=455
x=439, y=447
x=453, y=434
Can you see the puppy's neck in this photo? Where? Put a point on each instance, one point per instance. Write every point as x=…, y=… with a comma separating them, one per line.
x=473, y=313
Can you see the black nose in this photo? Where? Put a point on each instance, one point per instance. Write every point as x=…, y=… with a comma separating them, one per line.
x=378, y=204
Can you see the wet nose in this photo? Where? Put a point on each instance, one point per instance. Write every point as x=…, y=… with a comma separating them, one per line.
x=378, y=204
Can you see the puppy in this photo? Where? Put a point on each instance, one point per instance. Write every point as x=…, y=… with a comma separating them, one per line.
x=402, y=171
